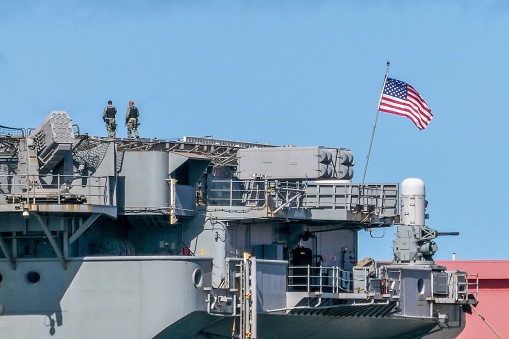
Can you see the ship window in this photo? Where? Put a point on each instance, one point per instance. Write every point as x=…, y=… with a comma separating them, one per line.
x=1, y=277
x=198, y=278
x=33, y=277
x=420, y=286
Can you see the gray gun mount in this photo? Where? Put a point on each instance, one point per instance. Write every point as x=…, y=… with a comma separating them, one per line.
x=414, y=240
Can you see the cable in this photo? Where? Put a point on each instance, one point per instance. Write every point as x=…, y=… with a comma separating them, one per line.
x=486, y=321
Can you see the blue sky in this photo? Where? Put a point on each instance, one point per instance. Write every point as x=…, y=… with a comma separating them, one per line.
x=288, y=73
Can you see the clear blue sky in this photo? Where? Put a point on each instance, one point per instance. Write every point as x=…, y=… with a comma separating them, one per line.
x=288, y=72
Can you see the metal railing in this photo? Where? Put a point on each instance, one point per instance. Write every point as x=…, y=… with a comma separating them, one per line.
x=330, y=195
x=459, y=284
x=451, y=286
x=382, y=198
x=12, y=132
x=63, y=189
x=255, y=193
x=473, y=285
x=321, y=279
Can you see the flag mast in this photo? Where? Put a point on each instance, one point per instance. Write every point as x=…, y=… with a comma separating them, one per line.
x=374, y=125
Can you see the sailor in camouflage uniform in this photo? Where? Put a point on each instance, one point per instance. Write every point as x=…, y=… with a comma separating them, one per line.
x=131, y=120
x=109, y=118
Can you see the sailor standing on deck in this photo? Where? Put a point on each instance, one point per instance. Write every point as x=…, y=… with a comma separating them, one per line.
x=131, y=120
x=109, y=118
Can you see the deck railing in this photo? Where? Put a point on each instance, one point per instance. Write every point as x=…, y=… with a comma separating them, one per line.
x=321, y=279
x=329, y=195
x=473, y=286
x=63, y=189
x=255, y=193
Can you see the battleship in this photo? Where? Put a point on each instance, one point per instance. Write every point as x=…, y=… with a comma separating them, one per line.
x=210, y=238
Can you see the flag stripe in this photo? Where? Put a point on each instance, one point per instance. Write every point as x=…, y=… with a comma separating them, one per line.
x=399, y=104
x=399, y=108
x=402, y=110
x=419, y=101
x=409, y=109
x=400, y=98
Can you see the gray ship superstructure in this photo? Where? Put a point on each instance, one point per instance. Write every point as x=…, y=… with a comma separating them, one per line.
x=208, y=238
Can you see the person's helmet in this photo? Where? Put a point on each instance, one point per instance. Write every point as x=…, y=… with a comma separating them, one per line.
x=110, y=102
x=131, y=102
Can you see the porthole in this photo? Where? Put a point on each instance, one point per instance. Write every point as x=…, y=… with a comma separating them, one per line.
x=33, y=277
x=197, y=278
x=420, y=286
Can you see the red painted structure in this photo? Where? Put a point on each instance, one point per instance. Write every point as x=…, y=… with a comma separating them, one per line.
x=493, y=297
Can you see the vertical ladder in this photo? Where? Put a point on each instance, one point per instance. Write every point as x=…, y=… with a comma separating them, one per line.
x=248, y=298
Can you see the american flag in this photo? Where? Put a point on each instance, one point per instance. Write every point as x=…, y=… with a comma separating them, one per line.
x=402, y=99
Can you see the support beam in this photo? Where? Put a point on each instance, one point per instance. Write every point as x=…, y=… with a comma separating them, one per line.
x=83, y=228
x=50, y=238
x=6, y=253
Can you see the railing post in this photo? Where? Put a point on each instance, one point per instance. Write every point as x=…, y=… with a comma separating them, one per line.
x=173, y=195
x=33, y=196
x=231, y=192
x=308, y=279
x=89, y=184
x=320, y=277
x=27, y=179
x=58, y=189
x=335, y=280
x=366, y=274
x=106, y=198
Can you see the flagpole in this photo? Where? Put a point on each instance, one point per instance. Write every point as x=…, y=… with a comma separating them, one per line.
x=374, y=125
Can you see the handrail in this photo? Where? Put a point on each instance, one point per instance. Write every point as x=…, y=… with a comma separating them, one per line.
x=31, y=189
x=322, y=279
x=473, y=283
x=276, y=194
x=230, y=192
x=12, y=132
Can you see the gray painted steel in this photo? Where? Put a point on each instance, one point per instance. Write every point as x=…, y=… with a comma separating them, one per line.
x=294, y=163
x=114, y=238
x=107, y=297
x=145, y=174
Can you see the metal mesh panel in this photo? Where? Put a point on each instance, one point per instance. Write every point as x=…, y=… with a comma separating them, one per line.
x=89, y=153
x=10, y=131
x=5, y=170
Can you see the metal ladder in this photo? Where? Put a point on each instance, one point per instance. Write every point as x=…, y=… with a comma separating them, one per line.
x=246, y=272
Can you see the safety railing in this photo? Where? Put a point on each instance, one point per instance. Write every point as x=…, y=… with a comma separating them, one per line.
x=337, y=195
x=255, y=193
x=459, y=284
x=473, y=286
x=321, y=279
x=63, y=189
x=382, y=199
x=12, y=132
x=451, y=286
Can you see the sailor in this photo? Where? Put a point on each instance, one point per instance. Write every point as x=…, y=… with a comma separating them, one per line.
x=131, y=120
x=109, y=118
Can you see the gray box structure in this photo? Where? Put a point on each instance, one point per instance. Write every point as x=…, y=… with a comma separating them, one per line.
x=294, y=163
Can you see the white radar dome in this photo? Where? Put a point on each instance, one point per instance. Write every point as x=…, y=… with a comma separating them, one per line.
x=413, y=202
